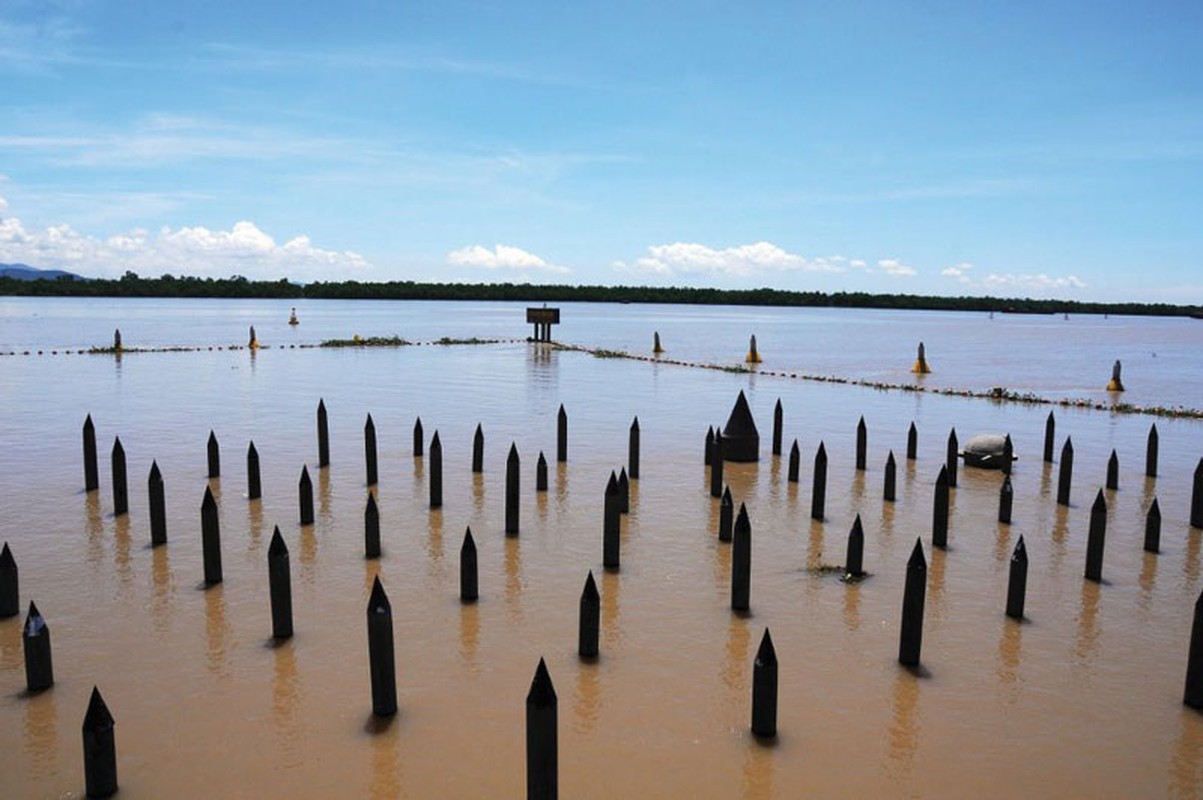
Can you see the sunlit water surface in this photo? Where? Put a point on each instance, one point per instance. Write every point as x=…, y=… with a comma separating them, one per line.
x=1082, y=699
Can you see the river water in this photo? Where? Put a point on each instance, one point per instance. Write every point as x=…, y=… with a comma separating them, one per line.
x=1084, y=698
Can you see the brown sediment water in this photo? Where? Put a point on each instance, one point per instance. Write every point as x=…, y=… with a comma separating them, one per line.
x=1081, y=699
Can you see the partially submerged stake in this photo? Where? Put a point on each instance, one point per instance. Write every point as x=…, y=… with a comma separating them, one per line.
x=854, y=559
x=542, y=756
x=795, y=462
x=818, y=497
x=381, y=660
x=279, y=581
x=1153, y=528
x=541, y=474
x=1006, y=498
x=1095, y=539
x=1065, y=475
x=1196, y=498
x=91, y=471
x=951, y=460
x=939, y=513
x=478, y=450
x=633, y=450
x=469, y=591
x=1049, y=430
x=562, y=435
x=741, y=561
x=419, y=438
x=590, y=621
x=912, y=443
x=891, y=473
x=120, y=486
x=716, y=466
x=1008, y=454
x=624, y=491
x=158, y=506
x=213, y=451
x=511, y=491
x=709, y=445
x=1017, y=580
x=100, y=749
x=305, y=494
x=323, y=436
x=254, y=489
x=611, y=513
x=35, y=642
x=1113, y=471
x=10, y=604
x=369, y=450
x=210, y=539
x=910, y=639
x=778, y=418
x=1151, y=452
x=862, y=444
x=371, y=528
x=726, y=516
x=764, y=689
x=1194, y=663
x=436, y=471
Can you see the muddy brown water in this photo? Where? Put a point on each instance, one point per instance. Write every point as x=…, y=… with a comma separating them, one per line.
x=1082, y=699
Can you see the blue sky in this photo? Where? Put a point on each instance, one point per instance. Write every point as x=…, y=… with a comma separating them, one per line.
x=1031, y=149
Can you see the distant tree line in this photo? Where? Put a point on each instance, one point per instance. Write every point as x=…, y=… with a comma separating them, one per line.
x=132, y=285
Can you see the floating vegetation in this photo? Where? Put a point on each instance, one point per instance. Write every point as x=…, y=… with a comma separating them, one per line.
x=366, y=341
x=600, y=353
x=447, y=340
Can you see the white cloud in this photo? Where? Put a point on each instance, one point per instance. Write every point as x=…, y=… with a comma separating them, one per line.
x=1040, y=282
x=958, y=271
x=3, y=203
x=502, y=256
x=745, y=260
x=243, y=250
x=892, y=266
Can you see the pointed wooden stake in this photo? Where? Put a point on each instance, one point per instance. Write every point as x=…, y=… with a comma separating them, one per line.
x=1151, y=452
x=939, y=513
x=1050, y=426
x=726, y=516
x=371, y=528
x=323, y=436
x=279, y=579
x=512, y=496
x=469, y=591
x=624, y=491
x=818, y=497
x=100, y=749
x=541, y=473
x=1065, y=475
x=890, y=478
x=419, y=438
x=478, y=450
x=305, y=494
x=611, y=514
x=381, y=658
x=1153, y=528
x=214, y=456
x=1095, y=539
x=369, y=451
x=709, y=445
x=10, y=605
x=913, y=598
x=590, y=622
x=254, y=488
x=764, y=689
x=35, y=642
x=1017, y=581
x=951, y=461
x=210, y=539
x=862, y=444
x=1113, y=471
x=542, y=756
x=778, y=419
x=158, y=506
x=633, y=450
x=91, y=471
x=1006, y=498
x=120, y=486
x=716, y=466
x=854, y=560
x=741, y=561
x=912, y=443
x=795, y=462
x=562, y=435
x=436, y=471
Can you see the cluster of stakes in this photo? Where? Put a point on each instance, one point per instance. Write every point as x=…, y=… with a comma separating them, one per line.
x=737, y=441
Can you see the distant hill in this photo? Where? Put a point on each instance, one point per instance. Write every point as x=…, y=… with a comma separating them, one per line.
x=24, y=272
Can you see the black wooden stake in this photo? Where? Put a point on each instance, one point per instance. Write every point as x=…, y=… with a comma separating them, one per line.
x=795, y=462
x=478, y=450
x=436, y=471
x=279, y=579
x=120, y=486
x=254, y=488
x=35, y=641
x=1113, y=471
x=381, y=659
x=100, y=749
x=210, y=539
x=158, y=506
x=939, y=511
x=1006, y=498
x=562, y=435
x=1050, y=426
x=913, y=597
x=818, y=498
x=1065, y=475
x=633, y=450
x=1194, y=664
x=369, y=451
x=741, y=561
x=624, y=491
x=862, y=444
x=716, y=466
x=214, y=455
x=541, y=473
x=726, y=516
x=91, y=471
x=419, y=438
x=1008, y=454
x=912, y=443
x=709, y=445
x=542, y=757
x=371, y=528
x=511, y=491
x=778, y=420
x=854, y=560
x=590, y=622
x=1095, y=539
x=1017, y=580
x=890, y=478
x=1151, y=452
x=1196, y=498
x=305, y=490
x=611, y=521
x=1153, y=528
x=951, y=460
x=323, y=436
x=469, y=591
x=10, y=604
x=764, y=689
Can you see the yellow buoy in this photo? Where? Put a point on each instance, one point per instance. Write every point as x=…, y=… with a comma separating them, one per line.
x=1115, y=384
x=921, y=362
x=753, y=356
x=292, y=319
x=254, y=342
x=656, y=348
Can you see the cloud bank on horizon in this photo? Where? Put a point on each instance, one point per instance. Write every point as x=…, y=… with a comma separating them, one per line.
x=983, y=152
